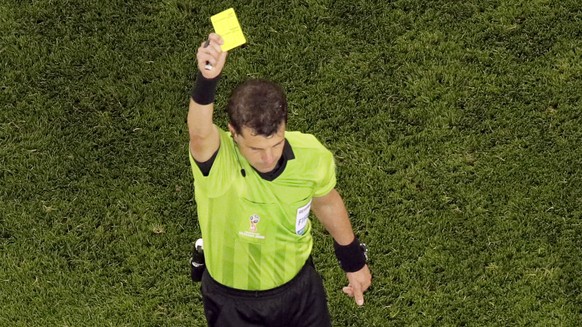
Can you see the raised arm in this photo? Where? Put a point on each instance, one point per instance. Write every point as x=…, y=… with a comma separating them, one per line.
x=204, y=139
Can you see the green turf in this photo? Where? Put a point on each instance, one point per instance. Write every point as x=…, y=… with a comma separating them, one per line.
x=455, y=124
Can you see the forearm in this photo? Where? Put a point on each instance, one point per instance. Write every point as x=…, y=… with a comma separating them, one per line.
x=332, y=214
x=201, y=105
x=330, y=210
x=203, y=134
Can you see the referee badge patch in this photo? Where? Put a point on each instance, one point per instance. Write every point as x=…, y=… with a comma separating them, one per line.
x=302, y=219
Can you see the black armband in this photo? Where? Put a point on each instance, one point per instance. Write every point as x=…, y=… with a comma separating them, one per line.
x=351, y=257
x=204, y=89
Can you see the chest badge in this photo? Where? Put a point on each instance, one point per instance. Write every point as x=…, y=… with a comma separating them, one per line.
x=250, y=229
x=255, y=219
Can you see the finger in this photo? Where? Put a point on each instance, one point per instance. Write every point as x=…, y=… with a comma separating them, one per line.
x=358, y=295
x=348, y=291
x=209, y=60
x=204, y=59
x=210, y=48
x=217, y=47
x=208, y=54
x=366, y=286
x=215, y=38
x=215, y=58
x=222, y=58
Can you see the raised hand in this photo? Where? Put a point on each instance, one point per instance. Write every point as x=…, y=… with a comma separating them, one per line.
x=210, y=57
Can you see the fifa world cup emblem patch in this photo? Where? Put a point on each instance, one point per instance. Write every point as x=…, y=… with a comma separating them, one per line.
x=254, y=221
x=251, y=234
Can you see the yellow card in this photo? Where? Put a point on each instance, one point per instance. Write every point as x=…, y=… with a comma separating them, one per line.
x=227, y=26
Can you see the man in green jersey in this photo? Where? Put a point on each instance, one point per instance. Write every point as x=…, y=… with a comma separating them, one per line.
x=255, y=185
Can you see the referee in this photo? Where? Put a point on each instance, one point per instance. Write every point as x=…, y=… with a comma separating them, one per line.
x=255, y=185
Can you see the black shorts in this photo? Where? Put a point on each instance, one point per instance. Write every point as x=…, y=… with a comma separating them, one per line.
x=301, y=302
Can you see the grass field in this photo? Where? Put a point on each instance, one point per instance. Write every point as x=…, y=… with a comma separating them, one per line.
x=455, y=124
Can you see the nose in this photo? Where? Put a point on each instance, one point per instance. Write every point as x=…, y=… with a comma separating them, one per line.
x=268, y=157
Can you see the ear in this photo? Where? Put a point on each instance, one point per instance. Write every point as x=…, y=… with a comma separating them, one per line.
x=232, y=131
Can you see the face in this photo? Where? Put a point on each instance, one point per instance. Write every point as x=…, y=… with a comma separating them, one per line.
x=262, y=152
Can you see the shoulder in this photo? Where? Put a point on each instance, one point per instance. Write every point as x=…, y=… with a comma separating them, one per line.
x=224, y=136
x=223, y=156
x=315, y=163
x=227, y=145
x=308, y=150
x=304, y=141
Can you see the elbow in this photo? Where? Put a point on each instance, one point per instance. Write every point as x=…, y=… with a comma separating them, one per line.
x=199, y=136
x=198, y=131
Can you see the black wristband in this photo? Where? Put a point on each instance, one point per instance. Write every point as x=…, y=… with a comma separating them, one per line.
x=351, y=257
x=204, y=89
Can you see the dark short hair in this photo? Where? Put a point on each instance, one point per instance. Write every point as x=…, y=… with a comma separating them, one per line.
x=257, y=104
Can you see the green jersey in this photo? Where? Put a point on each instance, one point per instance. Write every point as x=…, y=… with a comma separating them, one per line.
x=257, y=233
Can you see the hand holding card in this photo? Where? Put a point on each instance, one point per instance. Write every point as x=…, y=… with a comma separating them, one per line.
x=227, y=26
x=228, y=35
x=210, y=57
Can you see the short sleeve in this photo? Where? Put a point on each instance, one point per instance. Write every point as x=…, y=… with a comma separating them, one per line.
x=326, y=172
x=222, y=170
